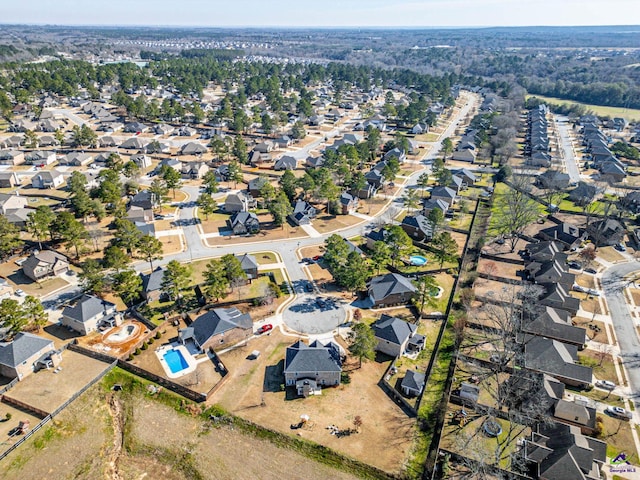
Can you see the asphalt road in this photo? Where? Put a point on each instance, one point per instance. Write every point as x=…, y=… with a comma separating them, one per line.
x=613, y=285
x=569, y=158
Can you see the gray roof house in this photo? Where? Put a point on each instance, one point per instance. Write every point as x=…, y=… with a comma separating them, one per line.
x=554, y=324
x=567, y=234
x=218, y=327
x=239, y=202
x=78, y=159
x=151, y=284
x=89, y=313
x=44, y=264
x=445, y=194
x=606, y=232
x=303, y=213
x=310, y=367
x=348, y=203
x=249, y=265
x=242, y=223
x=413, y=383
x=556, y=359
x=134, y=143
x=561, y=451
x=9, y=179
x=390, y=289
x=396, y=337
x=193, y=148
x=583, y=194
x=11, y=202
x=286, y=162
x=47, y=179
x=25, y=354
x=418, y=227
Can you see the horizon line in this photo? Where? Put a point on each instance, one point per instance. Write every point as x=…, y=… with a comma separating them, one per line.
x=310, y=27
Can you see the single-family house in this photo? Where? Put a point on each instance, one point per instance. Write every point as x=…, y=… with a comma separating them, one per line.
x=348, y=203
x=25, y=354
x=264, y=147
x=9, y=179
x=47, y=179
x=555, y=324
x=583, y=194
x=249, y=265
x=193, y=148
x=373, y=236
x=557, y=359
x=286, y=162
x=133, y=143
x=374, y=178
x=256, y=184
x=152, y=284
x=446, y=194
x=139, y=214
x=314, y=162
x=243, y=223
x=171, y=163
x=144, y=199
x=396, y=153
x=553, y=180
x=413, y=383
x=468, y=177
x=141, y=160
x=40, y=157
x=194, y=170
x=418, y=227
x=11, y=202
x=239, y=202
x=567, y=234
x=303, y=213
x=390, y=289
x=218, y=328
x=78, y=159
x=556, y=450
x=107, y=141
x=432, y=203
x=396, y=337
x=466, y=155
x=607, y=231
x=90, y=313
x=45, y=264
x=311, y=367
x=11, y=157
x=135, y=127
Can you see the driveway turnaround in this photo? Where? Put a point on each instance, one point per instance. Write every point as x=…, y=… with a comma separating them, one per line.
x=314, y=315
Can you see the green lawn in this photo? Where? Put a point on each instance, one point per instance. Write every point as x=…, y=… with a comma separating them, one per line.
x=265, y=258
x=628, y=113
x=277, y=275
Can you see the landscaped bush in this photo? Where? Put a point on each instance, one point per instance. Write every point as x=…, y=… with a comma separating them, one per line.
x=158, y=335
x=130, y=357
x=144, y=346
x=345, y=378
x=138, y=351
x=151, y=340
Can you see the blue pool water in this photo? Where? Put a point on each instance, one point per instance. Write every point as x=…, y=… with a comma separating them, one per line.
x=417, y=260
x=175, y=360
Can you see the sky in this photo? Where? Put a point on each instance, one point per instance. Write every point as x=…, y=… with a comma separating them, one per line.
x=329, y=13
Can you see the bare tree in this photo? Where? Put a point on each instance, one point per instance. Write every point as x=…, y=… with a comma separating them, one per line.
x=516, y=210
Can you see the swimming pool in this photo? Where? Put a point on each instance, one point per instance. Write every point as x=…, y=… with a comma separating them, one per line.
x=417, y=260
x=175, y=361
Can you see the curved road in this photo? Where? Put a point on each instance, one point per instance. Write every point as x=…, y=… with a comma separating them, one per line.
x=613, y=285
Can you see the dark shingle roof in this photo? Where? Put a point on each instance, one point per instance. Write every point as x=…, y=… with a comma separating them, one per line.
x=219, y=320
x=151, y=281
x=87, y=307
x=316, y=357
x=392, y=329
x=23, y=346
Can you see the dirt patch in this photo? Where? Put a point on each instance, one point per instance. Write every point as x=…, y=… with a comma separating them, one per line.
x=47, y=390
x=595, y=330
x=113, y=341
x=171, y=244
x=500, y=269
x=330, y=223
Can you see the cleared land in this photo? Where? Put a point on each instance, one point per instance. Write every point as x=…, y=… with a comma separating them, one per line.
x=86, y=442
x=628, y=113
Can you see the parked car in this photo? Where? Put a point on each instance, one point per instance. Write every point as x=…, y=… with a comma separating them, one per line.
x=606, y=384
x=579, y=288
x=620, y=247
x=321, y=302
x=265, y=328
x=309, y=287
x=618, y=412
x=317, y=258
x=20, y=293
x=575, y=265
x=590, y=270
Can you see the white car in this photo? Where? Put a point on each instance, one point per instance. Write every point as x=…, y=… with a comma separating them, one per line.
x=19, y=293
x=606, y=384
x=618, y=412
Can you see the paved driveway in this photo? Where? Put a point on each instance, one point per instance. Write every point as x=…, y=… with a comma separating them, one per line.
x=314, y=315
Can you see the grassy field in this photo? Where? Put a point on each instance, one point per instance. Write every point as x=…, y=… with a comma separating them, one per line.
x=628, y=113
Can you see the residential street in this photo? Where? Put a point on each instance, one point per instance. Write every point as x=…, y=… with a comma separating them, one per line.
x=613, y=285
x=568, y=156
